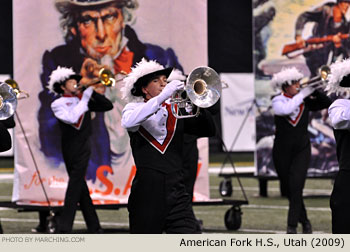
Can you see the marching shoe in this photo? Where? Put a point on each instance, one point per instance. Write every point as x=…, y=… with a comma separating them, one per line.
x=291, y=230
x=307, y=228
x=39, y=229
x=96, y=231
x=199, y=226
x=99, y=231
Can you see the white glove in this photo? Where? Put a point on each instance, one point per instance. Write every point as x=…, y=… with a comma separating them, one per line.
x=87, y=94
x=305, y=92
x=169, y=89
x=189, y=108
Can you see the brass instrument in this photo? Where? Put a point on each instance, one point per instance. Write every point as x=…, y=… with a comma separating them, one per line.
x=8, y=101
x=105, y=76
x=203, y=89
x=13, y=84
x=320, y=80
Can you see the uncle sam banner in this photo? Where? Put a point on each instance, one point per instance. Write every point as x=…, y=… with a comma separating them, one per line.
x=277, y=26
x=47, y=35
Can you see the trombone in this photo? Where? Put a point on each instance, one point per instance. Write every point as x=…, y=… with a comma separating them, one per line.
x=320, y=80
x=105, y=76
x=203, y=89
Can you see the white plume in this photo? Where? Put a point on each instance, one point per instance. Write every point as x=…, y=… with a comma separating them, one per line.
x=142, y=68
x=339, y=69
x=286, y=75
x=59, y=75
x=176, y=74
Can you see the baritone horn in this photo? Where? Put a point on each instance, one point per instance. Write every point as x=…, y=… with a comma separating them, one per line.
x=8, y=101
x=14, y=85
x=320, y=80
x=203, y=89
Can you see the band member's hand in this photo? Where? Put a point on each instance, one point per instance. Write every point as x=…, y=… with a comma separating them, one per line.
x=337, y=40
x=307, y=91
x=173, y=86
x=169, y=89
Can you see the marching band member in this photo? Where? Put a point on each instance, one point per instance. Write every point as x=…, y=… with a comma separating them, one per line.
x=5, y=140
x=6, y=120
x=158, y=201
x=5, y=137
x=292, y=148
x=339, y=113
x=72, y=110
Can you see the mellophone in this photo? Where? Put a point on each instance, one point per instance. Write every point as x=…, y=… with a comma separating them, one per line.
x=202, y=90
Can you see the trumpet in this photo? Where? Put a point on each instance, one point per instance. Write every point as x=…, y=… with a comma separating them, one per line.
x=14, y=85
x=320, y=80
x=105, y=76
x=203, y=89
x=8, y=101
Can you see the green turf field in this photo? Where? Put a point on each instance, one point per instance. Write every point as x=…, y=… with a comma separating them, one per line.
x=261, y=215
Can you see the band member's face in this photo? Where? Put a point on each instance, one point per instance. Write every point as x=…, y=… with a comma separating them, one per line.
x=70, y=87
x=293, y=89
x=155, y=86
x=101, y=31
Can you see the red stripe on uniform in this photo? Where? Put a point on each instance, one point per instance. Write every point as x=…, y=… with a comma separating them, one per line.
x=170, y=127
x=301, y=110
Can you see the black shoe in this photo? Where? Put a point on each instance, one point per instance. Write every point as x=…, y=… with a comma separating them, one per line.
x=199, y=226
x=39, y=229
x=96, y=231
x=307, y=228
x=99, y=231
x=58, y=231
x=291, y=230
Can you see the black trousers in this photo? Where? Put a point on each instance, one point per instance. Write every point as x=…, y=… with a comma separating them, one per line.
x=190, y=164
x=77, y=192
x=291, y=167
x=159, y=203
x=340, y=203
